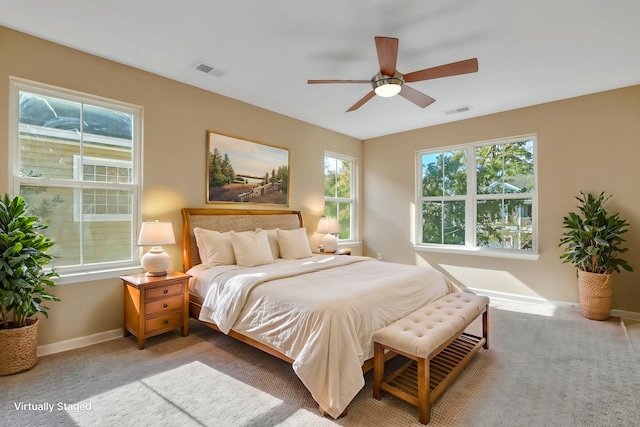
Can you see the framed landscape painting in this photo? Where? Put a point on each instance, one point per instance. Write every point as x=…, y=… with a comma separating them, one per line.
x=243, y=171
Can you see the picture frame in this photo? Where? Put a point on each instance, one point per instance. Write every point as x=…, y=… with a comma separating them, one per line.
x=245, y=171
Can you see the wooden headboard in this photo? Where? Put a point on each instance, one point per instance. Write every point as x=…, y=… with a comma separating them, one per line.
x=224, y=220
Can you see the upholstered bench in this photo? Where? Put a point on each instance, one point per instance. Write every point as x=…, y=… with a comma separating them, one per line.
x=434, y=340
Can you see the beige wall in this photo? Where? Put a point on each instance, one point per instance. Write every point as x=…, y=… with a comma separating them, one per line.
x=176, y=117
x=589, y=143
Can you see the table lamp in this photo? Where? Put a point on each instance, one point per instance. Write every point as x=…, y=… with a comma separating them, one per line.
x=156, y=234
x=329, y=227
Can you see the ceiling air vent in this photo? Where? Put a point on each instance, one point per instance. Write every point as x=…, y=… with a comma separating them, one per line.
x=457, y=110
x=207, y=69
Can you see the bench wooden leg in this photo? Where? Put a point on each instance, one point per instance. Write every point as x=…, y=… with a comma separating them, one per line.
x=378, y=369
x=424, y=399
x=485, y=327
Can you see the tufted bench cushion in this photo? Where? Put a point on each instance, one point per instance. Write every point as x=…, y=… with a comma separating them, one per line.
x=426, y=329
x=434, y=339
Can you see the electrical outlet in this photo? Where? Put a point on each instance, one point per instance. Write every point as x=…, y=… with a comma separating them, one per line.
x=379, y=256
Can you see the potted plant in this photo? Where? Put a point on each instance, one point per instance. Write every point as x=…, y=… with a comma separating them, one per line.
x=592, y=242
x=23, y=284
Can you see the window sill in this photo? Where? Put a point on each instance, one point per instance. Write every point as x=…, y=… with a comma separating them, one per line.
x=349, y=244
x=478, y=252
x=89, y=276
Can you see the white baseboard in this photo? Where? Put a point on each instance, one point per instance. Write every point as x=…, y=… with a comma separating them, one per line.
x=626, y=314
x=541, y=301
x=74, y=343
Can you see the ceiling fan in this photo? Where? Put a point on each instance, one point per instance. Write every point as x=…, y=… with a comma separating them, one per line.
x=389, y=81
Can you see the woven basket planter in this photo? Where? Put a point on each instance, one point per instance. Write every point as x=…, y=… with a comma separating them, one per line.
x=595, y=292
x=19, y=348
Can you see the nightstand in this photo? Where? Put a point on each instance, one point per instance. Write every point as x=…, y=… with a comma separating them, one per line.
x=338, y=252
x=155, y=305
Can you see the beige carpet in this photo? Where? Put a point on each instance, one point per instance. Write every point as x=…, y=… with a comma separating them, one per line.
x=545, y=367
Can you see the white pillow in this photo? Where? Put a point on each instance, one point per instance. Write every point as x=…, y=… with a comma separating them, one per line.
x=293, y=243
x=251, y=249
x=214, y=247
x=272, y=236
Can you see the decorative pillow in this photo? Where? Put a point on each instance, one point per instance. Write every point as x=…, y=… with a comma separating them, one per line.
x=214, y=247
x=293, y=243
x=251, y=249
x=272, y=236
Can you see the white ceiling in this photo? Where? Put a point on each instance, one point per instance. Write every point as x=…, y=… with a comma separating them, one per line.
x=529, y=51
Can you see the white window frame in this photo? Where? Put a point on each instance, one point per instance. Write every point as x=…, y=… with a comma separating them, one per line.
x=471, y=198
x=96, y=271
x=352, y=201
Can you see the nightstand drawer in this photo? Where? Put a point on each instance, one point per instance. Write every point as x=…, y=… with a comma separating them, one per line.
x=168, y=321
x=164, y=291
x=163, y=305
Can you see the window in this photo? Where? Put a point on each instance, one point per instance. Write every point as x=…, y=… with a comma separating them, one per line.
x=481, y=197
x=339, y=193
x=75, y=160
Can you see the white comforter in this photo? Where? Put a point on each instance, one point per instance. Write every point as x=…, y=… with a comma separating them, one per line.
x=320, y=311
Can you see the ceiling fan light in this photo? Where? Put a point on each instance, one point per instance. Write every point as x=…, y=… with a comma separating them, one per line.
x=387, y=86
x=387, y=90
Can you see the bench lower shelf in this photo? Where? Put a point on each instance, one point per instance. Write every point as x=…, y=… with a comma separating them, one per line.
x=443, y=369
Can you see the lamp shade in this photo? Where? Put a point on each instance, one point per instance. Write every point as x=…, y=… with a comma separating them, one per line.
x=156, y=234
x=328, y=226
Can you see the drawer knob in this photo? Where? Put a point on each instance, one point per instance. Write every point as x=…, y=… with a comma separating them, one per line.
x=166, y=321
x=165, y=305
x=166, y=291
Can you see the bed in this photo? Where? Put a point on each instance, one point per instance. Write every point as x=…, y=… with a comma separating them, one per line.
x=255, y=279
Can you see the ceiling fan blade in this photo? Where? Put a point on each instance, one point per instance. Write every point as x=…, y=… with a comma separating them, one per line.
x=362, y=101
x=453, y=69
x=417, y=97
x=387, y=54
x=315, y=82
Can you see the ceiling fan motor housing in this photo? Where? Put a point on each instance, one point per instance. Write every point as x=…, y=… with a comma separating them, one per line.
x=380, y=80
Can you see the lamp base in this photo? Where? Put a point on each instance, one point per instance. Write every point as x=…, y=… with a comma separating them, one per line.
x=155, y=273
x=155, y=262
x=329, y=243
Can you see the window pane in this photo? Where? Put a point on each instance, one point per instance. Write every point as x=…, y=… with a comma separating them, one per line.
x=330, y=176
x=505, y=168
x=55, y=208
x=102, y=241
x=444, y=174
x=107, y=135
x=443, y=222
x=453, y=223
x=331, y=209
x=48, y=136
x=432, y=174
x=455, y=173
x=489, y=223
x=489, y=169
x=518, y=231
x=343, y=179
x=505, y=224
x=432, y=222
x=344, y=219
x=518, y=167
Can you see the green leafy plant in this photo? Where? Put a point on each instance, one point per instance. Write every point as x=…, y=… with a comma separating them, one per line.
x=592, y=241
x=23, y=277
